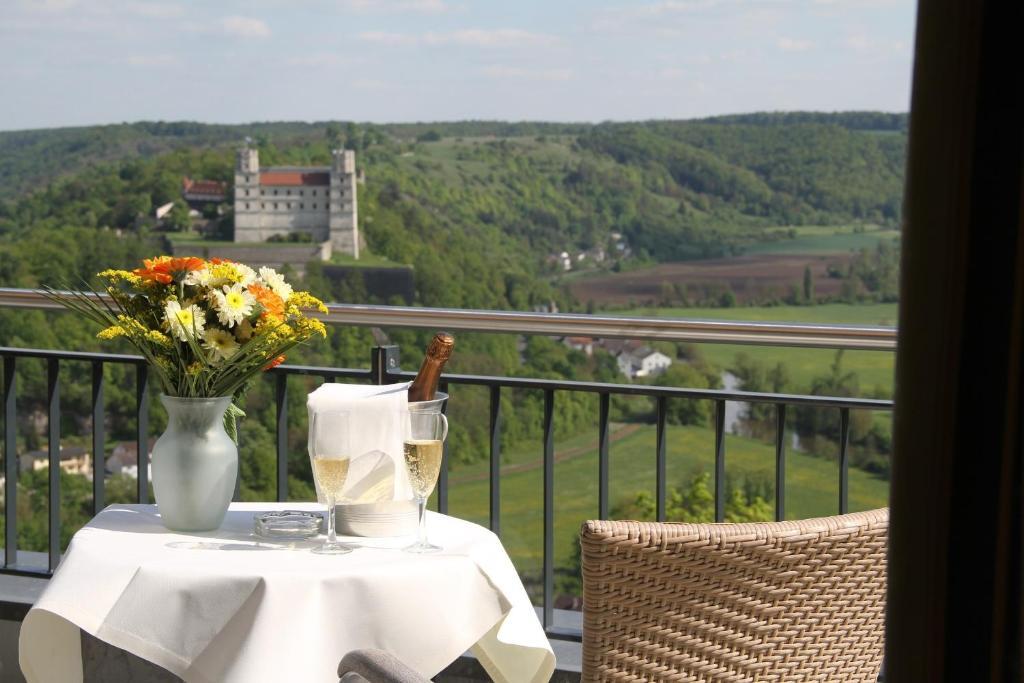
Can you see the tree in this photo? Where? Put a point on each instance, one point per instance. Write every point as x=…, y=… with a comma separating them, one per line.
x=693, y=501
x=808, y=285
x=333, y=135
x=178, y=219
x=685, y=411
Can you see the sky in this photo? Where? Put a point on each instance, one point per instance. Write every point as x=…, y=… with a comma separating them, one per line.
x=83, y=62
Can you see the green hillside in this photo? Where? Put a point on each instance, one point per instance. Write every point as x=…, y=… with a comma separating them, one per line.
x=476, y=209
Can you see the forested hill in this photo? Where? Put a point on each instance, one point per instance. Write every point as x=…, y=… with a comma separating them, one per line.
x=475, y=207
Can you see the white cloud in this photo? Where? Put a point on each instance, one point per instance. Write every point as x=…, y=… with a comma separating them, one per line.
x=502, y=37
x=418, y=6
x=732, y=55
x=319, y=60
x=387, y=38
x=156, y=60
x=475, y=37
x=521, y=74
x=246, y=27
x=858, y=42
x=155, y=10
x=861, y=42
x=49, y=5
x=794, y=44
x=371, y=84
x=673, y=6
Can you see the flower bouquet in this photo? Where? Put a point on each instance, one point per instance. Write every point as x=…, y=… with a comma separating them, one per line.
x=207, y=328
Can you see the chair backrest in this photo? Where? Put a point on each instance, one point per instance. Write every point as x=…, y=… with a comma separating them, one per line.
x=784, y=601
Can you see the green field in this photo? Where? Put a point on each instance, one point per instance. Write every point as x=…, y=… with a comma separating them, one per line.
x=873, y=368
x=824, y=239
x=811, y=483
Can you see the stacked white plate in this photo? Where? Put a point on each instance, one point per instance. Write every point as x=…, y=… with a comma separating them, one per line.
x=386, y=518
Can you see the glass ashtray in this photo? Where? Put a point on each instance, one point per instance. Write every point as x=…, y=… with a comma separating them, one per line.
x=287, y=525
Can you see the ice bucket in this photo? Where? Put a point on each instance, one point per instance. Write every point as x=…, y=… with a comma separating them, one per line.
x=387, y=518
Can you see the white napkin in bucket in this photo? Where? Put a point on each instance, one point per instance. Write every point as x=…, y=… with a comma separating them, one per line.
x=378, y=424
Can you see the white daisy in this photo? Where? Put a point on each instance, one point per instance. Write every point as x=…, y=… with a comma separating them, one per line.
x=184, y=323
x=247, y=273
x=197, y=277
x=220, y=343
x=232, y=303
x=276, y=282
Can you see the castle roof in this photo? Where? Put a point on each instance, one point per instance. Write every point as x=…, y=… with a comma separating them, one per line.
x=294, y=178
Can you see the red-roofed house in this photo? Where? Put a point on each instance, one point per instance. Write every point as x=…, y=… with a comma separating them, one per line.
x=198, y=193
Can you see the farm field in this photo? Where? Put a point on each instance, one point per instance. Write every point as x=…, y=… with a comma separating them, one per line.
x=873, y=368
x=748, y=276
x=811, y=483
x=765, y=269
x=824, y=239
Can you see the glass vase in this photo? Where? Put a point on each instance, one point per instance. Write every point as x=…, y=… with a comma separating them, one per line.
x=195, y=464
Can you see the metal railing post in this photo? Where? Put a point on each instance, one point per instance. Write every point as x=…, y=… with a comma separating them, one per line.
x=53, y=451
x=10, y=463
x=384, y=362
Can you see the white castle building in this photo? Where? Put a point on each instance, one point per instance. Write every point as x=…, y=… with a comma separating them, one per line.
x=283, y=200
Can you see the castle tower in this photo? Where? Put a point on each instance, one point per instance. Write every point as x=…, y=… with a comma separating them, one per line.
x=247, y=195
x=343, y=215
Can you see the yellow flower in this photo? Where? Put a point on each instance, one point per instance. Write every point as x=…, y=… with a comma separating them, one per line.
x=306, y=300
x=112, y=332
x=125, y=276
x=307, y=327
x=132, y=327
x=159, y=338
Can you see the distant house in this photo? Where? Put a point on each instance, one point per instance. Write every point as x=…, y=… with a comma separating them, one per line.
x=73, y=460
x=642, y=361
x=199, y=193
x=584, y=344
x=649, y=362
x=163, y=210
x=124, y=459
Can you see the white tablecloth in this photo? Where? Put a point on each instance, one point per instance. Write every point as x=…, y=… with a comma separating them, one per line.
x=216, y=606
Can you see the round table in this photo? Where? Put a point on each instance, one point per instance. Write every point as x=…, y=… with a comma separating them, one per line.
x=222, y=606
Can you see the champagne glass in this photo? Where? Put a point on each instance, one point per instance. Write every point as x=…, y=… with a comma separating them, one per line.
x=331, y=454
x=423, y=451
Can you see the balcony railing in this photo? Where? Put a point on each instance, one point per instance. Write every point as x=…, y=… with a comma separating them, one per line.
x=384, y=368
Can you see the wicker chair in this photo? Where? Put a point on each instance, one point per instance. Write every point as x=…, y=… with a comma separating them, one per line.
x=785, y=601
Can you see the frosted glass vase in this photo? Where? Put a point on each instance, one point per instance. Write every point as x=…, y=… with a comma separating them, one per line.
x=195, y=464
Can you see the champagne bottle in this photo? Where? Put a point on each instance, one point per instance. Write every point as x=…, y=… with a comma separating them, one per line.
x=439, y=351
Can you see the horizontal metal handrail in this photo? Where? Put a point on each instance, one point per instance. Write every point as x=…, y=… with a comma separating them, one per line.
x=862, y=337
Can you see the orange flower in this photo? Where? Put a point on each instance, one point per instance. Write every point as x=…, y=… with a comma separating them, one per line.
x=274, y=363
x=165, y=269
x=273, y=305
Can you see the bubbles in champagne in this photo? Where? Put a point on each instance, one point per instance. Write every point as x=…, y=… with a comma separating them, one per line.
x=423, y=461
x=330, y=474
